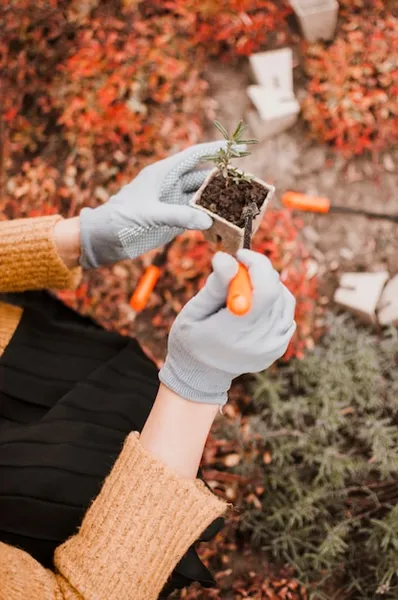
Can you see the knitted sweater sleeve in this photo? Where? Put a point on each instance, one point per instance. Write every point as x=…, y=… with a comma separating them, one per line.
x=135, y=532
x=29, y=259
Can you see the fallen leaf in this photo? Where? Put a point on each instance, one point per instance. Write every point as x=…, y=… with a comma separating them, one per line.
x=231, y=460
x=267, y=458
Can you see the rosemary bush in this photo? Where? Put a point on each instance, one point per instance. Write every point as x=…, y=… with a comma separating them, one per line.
x=330, y=506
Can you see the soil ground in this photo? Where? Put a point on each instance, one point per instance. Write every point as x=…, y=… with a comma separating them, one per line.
x=292, y=161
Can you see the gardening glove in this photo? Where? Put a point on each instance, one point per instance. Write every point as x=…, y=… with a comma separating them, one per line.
x=209, y=346
x=148, y=212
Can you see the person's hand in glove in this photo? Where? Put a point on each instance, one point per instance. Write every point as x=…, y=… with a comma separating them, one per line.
x=209, y=346
x=148, y=212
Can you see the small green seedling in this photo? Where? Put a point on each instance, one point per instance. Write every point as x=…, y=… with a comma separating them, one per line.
x=222, y=158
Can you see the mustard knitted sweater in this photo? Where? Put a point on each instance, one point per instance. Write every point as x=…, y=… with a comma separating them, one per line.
x=145, y=517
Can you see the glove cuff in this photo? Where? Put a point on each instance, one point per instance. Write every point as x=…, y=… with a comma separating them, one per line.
x=193, y=380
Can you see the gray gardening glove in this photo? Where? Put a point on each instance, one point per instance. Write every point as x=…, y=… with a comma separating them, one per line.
x=209, y=346
x=148, y=212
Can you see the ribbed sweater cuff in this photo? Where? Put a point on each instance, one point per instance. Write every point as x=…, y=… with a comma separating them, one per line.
x=29, y=258
x=137, y=530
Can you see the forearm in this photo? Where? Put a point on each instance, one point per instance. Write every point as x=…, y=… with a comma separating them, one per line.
x=176, y=431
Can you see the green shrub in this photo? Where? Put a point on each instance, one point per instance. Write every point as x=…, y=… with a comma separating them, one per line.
x=329, y=425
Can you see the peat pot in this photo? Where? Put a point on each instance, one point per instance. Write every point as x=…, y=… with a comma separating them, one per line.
x=222, y=231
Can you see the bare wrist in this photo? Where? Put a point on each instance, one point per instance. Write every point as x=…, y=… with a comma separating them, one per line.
x=67, y=240
x=176, y=431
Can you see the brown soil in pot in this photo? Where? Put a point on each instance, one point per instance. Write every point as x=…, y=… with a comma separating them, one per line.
x=229, y=199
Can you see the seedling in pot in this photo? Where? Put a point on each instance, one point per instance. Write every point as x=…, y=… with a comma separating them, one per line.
x=222, y=159
x=237, y=202
x=228, y=191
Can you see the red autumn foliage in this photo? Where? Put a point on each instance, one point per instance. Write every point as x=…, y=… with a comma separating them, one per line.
x=240, y=27
x=352, y=92
x=102, y=70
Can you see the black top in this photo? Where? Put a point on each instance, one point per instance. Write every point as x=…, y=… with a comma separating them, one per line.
x=70, y=393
